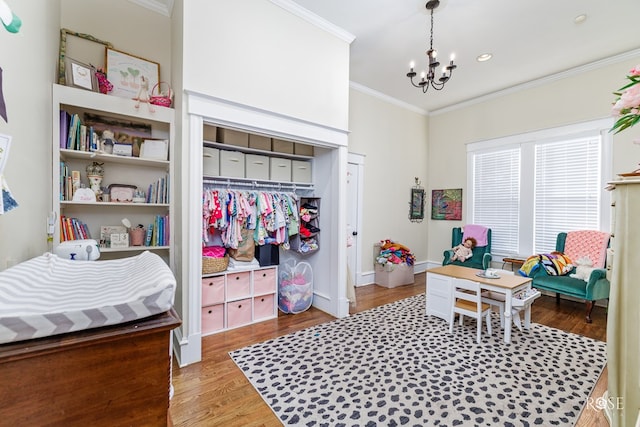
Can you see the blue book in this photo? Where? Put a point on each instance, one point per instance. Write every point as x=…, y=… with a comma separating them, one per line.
x=147, y=239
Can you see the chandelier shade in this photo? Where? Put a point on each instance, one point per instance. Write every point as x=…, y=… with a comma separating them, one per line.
x=428, y=78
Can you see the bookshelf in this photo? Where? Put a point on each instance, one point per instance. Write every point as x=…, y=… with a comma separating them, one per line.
x=130, y=126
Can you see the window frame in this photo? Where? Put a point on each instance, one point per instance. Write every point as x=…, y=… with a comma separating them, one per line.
x=527, y=143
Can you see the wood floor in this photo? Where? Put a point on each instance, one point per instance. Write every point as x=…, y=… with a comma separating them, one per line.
x=214, y=392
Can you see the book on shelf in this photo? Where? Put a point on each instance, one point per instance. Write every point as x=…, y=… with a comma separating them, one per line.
x=64, y=128
x=147, y=238
x=73, y=229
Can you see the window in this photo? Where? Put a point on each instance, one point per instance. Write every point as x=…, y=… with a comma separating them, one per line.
x=527, y=188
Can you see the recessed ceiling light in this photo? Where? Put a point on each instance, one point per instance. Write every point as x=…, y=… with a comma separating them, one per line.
x=484, y=57
x=580, y=18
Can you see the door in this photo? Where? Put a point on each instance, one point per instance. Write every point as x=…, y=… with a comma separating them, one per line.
x=354, y=214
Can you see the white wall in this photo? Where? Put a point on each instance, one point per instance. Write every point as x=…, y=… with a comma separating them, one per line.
x=256, y=53
x=394, y=141
x=577, y=98
x=128, y=27
x=28, y=60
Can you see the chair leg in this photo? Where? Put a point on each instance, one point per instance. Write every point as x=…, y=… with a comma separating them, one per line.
x=478, y=329
x=590, y=305
x=461, y=319
x=489, y=323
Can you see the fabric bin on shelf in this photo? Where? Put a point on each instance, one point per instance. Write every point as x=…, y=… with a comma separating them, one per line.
x=301, y=171
x=233, y=137
x=302, y=149
x=210, y=161
x=280, y=169
x=232, y=164
x=256, y=166
x=281, y=146
x=260, y=142
x=209, y=133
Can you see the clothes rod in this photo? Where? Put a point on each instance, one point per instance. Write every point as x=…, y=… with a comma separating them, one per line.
x=255, y=184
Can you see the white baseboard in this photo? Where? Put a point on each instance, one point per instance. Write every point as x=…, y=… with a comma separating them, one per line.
x=187, y=350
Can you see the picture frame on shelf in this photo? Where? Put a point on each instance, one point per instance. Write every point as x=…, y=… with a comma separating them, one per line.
x=125, y=70
x=83, y=47
x=157, y=149
x=80, y=75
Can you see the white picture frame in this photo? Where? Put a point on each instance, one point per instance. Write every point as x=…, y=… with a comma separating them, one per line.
x=80, y=75
x=157, y=149
x=124, y=71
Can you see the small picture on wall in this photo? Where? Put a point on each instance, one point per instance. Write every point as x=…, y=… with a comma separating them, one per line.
x=446, y=204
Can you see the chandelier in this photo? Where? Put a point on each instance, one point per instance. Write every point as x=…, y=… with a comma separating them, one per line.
x=428, y=78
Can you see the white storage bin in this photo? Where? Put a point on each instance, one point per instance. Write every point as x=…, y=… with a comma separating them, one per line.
x=210, y=161
x=280, y=169
x=301, y=171
x=232, y=164
x=256, y=166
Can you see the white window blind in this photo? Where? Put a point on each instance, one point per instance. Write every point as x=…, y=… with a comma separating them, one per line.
x=567, y=189
x=496, y=196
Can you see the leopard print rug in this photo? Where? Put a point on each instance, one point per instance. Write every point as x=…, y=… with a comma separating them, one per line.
x=394, y=366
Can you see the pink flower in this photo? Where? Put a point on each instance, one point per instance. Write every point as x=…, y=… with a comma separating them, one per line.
x=635, y=71
x=630, y=98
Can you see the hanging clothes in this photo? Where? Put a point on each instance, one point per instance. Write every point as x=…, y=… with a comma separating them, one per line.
x=273, y=216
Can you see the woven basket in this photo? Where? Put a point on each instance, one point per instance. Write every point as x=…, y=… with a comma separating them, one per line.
x=214, y=265
x=163, y=100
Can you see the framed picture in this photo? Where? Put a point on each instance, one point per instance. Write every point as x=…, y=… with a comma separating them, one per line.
x=446, y=204
x=84, y=47
x=80, y=75
x=416, y=209
x=125, y=72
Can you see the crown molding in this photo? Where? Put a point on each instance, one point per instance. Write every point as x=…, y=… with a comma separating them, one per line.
x=314, y=19
x=163, y=7
x=632, y=54
x=368, y=91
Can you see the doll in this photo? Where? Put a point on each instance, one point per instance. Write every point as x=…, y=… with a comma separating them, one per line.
x=464, y=251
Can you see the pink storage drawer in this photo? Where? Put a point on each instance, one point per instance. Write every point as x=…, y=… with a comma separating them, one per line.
x=238, y=285
x=264, y=281
x=212, y=290
x=212, y=318
x=263, y=307
x=239, y=313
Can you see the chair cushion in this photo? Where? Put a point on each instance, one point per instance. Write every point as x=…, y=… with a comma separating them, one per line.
x=470, y=306
x=589, y=243
x=562, y=284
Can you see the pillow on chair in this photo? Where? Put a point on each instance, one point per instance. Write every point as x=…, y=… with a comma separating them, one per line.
x=587, y=243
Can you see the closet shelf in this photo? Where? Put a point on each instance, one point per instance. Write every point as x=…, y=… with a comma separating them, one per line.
x=255, y=184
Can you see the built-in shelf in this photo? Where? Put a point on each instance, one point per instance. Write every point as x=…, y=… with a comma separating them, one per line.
x=111, y=158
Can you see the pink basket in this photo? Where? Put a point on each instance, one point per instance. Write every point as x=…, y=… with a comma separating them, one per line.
x=160, y=99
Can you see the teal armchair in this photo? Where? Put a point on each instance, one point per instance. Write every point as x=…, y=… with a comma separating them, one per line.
x=596, y=288
x=481, y=257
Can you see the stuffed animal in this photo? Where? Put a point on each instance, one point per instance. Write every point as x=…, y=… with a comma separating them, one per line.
x=583, y=269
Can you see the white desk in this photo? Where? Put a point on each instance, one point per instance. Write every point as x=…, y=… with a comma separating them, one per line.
x=439, y=292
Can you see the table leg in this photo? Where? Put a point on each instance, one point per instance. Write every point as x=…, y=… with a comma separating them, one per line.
x=507, y=316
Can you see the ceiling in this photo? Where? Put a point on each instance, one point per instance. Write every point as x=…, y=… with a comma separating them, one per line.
x=529, y=40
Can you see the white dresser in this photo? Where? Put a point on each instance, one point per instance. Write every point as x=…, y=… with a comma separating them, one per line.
x=623, y=338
